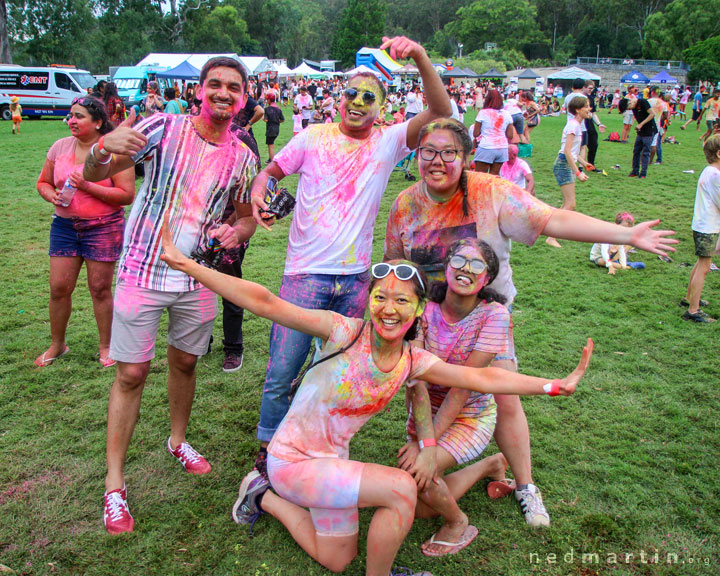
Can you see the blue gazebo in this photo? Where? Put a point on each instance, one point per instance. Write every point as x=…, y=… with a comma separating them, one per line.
x=183, y=71
x=634, y=77
x=663, y=78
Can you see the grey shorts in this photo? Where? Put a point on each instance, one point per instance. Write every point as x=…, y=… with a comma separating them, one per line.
x=705, y=244
x=136, y=317
x=491, y=155
x=628, y=117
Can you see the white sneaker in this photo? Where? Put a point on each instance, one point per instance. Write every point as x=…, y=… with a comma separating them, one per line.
x=532, y=506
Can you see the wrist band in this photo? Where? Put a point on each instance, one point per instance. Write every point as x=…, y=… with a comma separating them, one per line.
x=552, y=388
x=427, y=443
x=101, y=147
x=92, y=152
x=578, y=173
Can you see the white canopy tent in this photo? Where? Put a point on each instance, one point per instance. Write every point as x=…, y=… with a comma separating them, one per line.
x=572, y=73
x=173, y=60
x=305, y=70
x=283, y=70
x=364, y=69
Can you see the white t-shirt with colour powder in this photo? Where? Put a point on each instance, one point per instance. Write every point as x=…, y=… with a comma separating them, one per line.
x=338, y=196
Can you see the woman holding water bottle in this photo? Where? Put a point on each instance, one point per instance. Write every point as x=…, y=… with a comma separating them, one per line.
x=87, y=226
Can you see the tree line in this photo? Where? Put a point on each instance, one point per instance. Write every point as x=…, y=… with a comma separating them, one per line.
x=95, y=34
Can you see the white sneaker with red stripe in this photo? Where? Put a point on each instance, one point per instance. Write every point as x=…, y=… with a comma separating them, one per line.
x=192, y=461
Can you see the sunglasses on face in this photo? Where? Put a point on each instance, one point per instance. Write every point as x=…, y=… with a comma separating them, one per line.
x=448, y=155
x=477, y=266
x=367, y=96
x=401, y=271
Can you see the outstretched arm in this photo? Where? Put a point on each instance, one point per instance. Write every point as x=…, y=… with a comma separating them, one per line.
x=249, y=295
x=582, y=228
x=499, y=381
x=437, y=98
x=120, y=145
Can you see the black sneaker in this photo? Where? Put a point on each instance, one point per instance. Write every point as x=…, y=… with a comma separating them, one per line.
x=233, y=362
x=698, y=316
x=685, y=303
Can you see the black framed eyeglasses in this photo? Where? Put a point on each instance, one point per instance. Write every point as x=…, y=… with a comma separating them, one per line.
x=401, y=271
x=448, y=155
x=477, y=266
x=367, y=96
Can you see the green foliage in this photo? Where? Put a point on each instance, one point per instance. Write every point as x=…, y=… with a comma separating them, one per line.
x=487, y=21
x=704, y=70
x=221, y=31
x=362, y=24
x=683, y=23
x=706, y=50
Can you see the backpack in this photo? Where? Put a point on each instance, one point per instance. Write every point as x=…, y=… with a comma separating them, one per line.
x=614, y=137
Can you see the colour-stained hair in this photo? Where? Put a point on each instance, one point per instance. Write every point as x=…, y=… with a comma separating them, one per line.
x=621, y=217
x=420, y=292
x=462, y=137
x=223, y=62
x=439, y=290
x=371, y=76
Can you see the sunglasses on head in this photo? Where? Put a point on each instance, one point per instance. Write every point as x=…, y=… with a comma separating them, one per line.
x=477, y=266
x=84, y=101
x=367, y=96
x=401, y=271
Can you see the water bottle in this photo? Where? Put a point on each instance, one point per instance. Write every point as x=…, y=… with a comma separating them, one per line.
x=67, y=193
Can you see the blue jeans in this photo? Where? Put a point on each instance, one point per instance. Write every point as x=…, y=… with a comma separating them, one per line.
x=344, y=294
x=641, y=152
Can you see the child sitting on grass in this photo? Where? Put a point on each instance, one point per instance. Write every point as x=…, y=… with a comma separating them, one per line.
x=705, y=227
x=613, y=257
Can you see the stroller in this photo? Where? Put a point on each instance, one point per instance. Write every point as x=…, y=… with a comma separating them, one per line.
x=404, y=167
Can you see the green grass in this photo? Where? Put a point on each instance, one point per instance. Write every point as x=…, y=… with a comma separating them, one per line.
x=628, y=464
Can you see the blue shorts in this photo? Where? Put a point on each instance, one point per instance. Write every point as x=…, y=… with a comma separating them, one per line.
x=99, y=239
x=563, y=173
x=518, y=121
x=491, y=155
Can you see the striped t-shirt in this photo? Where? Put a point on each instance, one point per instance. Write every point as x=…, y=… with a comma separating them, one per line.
x=192, y=180
x=485, y=329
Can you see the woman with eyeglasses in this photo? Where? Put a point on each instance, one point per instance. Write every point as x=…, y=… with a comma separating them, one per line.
x=450, y=203
x=464, y=323
x=87, y=226
x=358, y=367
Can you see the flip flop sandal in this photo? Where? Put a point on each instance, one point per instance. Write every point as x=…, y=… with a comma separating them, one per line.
x=107, y=362
x=45, y=362
x=500, y=488
x=452, y=547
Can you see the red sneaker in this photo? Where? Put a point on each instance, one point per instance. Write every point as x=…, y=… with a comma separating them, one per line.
x=116, y=515
x=192, y=461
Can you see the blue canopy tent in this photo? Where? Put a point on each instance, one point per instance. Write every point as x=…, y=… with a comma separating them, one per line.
x=183, y=71
x=663, y=78
x=634, y=77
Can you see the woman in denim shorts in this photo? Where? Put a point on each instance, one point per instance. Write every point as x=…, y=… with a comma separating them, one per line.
x=87, y=226
x=493, y=129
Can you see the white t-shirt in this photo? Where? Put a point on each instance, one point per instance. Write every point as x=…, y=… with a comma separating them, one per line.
x=572, y=127
x=511, y=105
x=414, y=103
x=338, y=396
x=338, y=196
x=455, y=110
x=301, y=101
x=603, y=251
x=568, y=99
x=517, y=173
x=494, y=124
x=706, y=217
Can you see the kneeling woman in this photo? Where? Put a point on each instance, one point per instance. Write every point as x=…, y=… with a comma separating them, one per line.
x=308, y=457
x=465, y=323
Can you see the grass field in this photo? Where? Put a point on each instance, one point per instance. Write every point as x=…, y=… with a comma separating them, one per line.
x=628, y=466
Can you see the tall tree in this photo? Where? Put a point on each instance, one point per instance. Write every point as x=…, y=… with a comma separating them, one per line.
x=5, y=56
x=362, y=24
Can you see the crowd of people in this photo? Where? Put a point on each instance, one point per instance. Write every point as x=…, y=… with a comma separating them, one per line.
x=440, y=304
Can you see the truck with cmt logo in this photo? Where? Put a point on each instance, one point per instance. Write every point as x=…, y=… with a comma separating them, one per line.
x=132, y=82
x=43, y=91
